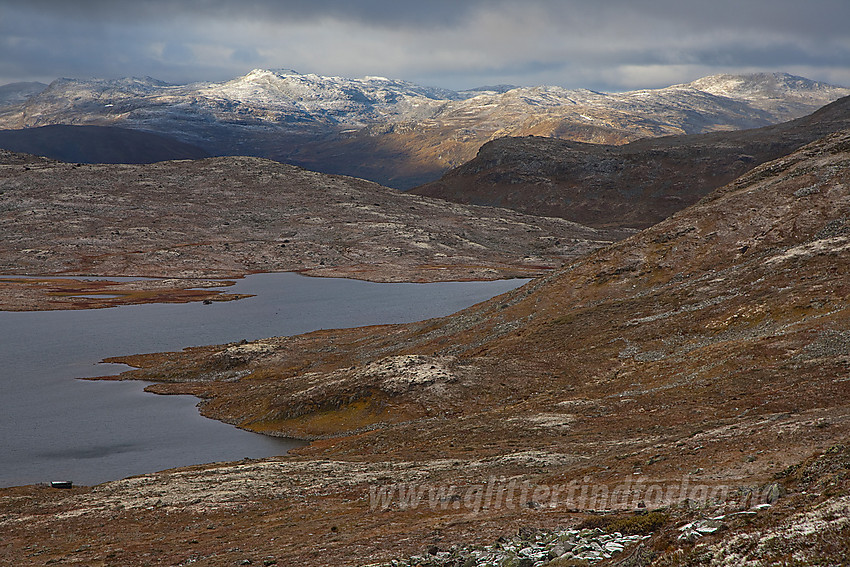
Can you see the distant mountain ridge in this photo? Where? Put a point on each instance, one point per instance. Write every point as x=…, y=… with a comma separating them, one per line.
x=16, y=93
x=401, y=134
x=764, y=86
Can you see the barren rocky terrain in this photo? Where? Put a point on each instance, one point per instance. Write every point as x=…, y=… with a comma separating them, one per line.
x=632, y=185
x=689, y=383
x=226, y=217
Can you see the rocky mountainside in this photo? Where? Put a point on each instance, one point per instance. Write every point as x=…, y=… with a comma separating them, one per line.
x=97, y=144
x=226, y=217
x=398, y=133
x=689, y=383
x=633, y=185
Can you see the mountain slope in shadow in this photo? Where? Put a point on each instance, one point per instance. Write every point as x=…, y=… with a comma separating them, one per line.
x=97, y=144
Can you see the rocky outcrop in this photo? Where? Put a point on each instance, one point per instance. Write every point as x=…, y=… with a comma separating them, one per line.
x=561, y=547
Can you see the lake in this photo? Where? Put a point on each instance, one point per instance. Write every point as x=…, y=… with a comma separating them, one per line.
x=54, y=427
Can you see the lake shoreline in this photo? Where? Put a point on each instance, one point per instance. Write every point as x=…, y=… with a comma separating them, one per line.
x=49, y=292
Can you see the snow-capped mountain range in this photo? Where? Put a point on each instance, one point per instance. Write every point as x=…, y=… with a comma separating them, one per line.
x=355, y=126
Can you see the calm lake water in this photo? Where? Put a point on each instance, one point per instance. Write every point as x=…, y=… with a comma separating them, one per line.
x=53, y=427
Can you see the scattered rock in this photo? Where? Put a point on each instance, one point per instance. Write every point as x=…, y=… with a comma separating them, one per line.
x=532, y=548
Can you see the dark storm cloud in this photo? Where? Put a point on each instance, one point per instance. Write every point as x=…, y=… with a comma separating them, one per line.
x=610, y=45
x=373, y=12
x=812, y=17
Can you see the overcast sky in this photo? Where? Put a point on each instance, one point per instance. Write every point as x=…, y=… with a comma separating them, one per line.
x=609, y=45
